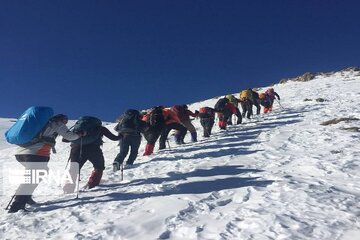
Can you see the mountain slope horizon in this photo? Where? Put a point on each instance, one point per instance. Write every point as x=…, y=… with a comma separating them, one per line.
x=281, y=175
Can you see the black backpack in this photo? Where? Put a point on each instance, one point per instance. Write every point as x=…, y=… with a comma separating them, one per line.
x=255, y=95
x=220, y=104
x=129, y=121
x=90, y=125
x=156, y=117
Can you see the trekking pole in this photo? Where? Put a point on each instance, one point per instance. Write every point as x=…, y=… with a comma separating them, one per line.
x=279, y=104
x=122, y=171
x=167, y=140
x=78, y=186
x=67, y=164
x=12, y=198
x=78, y=178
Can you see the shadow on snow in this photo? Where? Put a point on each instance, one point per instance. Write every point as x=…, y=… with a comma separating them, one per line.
x=194, y=187
x=235, y=141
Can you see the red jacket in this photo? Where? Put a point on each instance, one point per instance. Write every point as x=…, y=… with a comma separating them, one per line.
x=170, y=116
x=231, y=107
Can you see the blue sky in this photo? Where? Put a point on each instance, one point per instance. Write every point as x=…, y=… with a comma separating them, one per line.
x=102, y=57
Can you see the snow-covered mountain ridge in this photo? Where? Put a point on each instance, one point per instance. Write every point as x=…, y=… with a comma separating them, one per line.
x=281, y=175
x=308, y=76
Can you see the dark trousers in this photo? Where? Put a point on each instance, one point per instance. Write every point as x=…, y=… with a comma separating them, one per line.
x=238, y=115
x=152, y=134
x=225, y=115
x=207, y=124
x=257, y=105
x=165, y=132
x=25, y=191
x=82, y=153
x=265, y=103
x=127, y=142
x=247, y=108
x=91, y=152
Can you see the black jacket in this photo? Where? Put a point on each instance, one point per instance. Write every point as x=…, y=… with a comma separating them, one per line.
x=95, y=139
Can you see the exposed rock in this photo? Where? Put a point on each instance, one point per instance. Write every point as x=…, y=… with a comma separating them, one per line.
x=307, y=99
x=352, y=69
x=303, y=78
x=282, y=81
x=337, y=120
x=326, y=74
x=352, y=129
x=308, y=76
x=335, y=151
x=320, y=100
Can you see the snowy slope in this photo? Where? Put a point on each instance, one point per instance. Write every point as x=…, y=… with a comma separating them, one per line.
x=4, y=125
x=277, y=176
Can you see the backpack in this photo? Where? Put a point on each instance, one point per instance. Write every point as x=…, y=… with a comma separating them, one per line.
x=270, y=91
x=90, y=125
x=203, y=110
x=156, y=117
x=262, y=95
x=220, y=104
x=129, y=120
x=29, y=126
x=180, y=111
x=245, y=95
x=206, y=112
x=232, y=100
x=255, y=95
x=264, y=99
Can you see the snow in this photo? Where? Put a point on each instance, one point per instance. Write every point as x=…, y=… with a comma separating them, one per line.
x=4, y=125
x=277, y=176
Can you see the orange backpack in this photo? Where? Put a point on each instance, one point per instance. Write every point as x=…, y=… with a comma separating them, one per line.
x=262, y=95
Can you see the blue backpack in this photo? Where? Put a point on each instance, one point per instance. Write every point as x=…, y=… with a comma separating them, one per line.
x=29, y=125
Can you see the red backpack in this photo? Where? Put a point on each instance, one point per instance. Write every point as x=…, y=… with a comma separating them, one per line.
x=202, y=110
x=206, y=112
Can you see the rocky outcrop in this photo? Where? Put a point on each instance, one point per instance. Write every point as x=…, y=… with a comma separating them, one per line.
x=351, y=69
x=308, y=76
x=337, y=120
x=303, y=78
